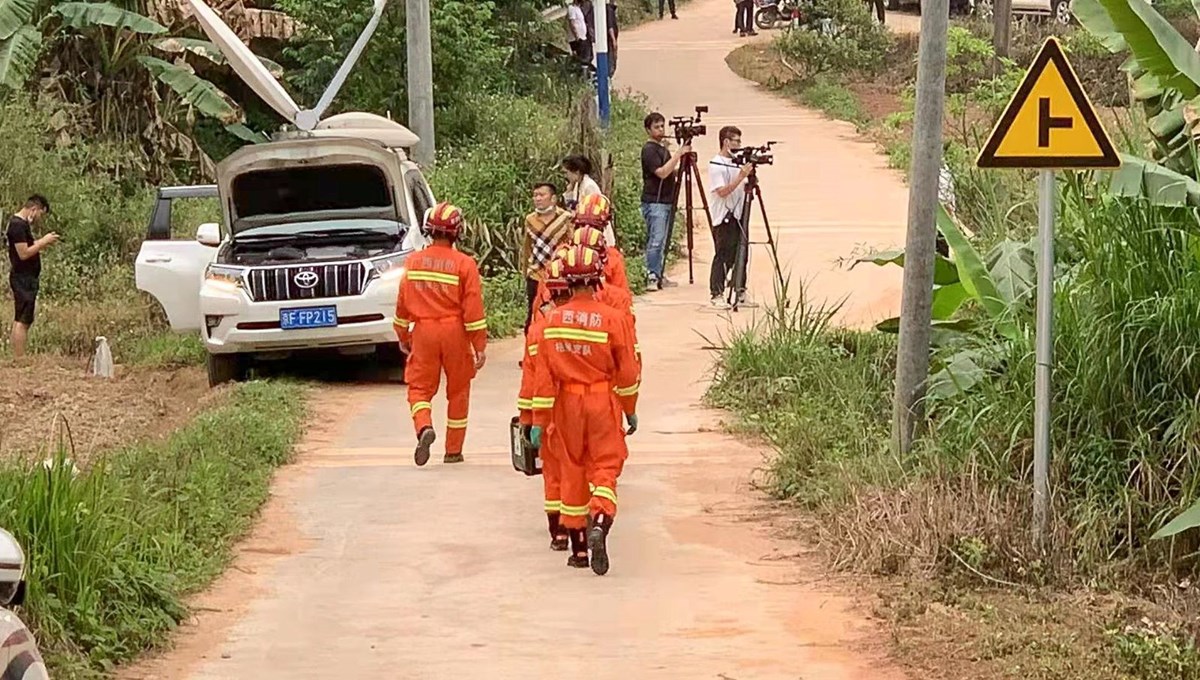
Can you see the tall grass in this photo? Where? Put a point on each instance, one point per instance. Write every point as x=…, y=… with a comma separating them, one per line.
x=113, y=549
x=1125, y=425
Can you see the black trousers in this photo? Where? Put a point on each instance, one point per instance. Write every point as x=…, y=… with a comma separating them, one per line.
x=664, y=2
x=727, y=236
x=531, y=288
x=744, y=19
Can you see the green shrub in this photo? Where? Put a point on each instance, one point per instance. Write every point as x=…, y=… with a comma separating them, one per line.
x=113, y=551
x=855, y=43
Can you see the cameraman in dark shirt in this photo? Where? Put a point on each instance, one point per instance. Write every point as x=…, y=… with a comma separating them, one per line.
x=25, y=260
x=659, y=168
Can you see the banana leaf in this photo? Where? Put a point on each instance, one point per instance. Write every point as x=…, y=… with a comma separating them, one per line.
x=79, y=15
x=1141, y=178
x=1187, y=519
x=196, y=91
x=944, y=271
x=18, y=56
x=1012, y=267
x=208, y=50
x=975, y=275
x=1158, y=47
x=1095, y=19
x=245, y=134
x=892, y=325
x=13, y=15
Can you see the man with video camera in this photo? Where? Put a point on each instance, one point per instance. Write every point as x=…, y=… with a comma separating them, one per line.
x=726, y=199
x=659, y=168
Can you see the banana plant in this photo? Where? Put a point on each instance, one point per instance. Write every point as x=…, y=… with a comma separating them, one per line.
x=1164, y=67
x=1000, y=283
x=123, y=38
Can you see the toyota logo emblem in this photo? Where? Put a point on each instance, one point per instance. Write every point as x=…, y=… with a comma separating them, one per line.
x=306, y=279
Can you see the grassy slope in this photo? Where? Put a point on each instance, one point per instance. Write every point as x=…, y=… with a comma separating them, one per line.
x=114, y=550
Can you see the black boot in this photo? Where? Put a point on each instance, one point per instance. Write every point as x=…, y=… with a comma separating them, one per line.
x=579, y=551
x=558, y=535
x=452, y=458
x=424, y=441
x=597, y=538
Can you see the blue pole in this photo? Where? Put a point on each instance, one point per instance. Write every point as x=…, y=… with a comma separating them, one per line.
x=601, y=20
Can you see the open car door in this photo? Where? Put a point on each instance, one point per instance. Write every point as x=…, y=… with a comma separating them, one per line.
x=172, y=269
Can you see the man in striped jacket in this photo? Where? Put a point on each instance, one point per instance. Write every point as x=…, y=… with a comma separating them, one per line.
x=19, y=657
x=441, y=324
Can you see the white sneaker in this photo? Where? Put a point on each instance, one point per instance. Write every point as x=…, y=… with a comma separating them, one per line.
x=745, y=301
x=718, y=302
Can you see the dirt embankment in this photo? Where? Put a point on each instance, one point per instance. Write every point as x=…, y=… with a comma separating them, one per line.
x=43, y=399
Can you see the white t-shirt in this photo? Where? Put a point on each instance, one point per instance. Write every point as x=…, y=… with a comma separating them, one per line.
x=722, y=171
x=578, y=25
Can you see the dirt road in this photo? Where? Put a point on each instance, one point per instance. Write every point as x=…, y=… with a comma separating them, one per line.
x=368, y=567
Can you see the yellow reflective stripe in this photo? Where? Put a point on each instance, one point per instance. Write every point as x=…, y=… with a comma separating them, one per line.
x=559, y=333
x=574, y=510
x=553, y=506
x=477, y=325
x=420, y=405
x=436, y=277
x=524, y=403
x=605, y=492
x=456, y=424
x=542, y=402
x=627, y=391
x=591, y=487
x=637, y=347
x=400, y=322
x=533, y=350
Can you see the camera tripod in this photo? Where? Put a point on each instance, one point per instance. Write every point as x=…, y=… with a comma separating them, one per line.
x=741, y=263
x=688, y=175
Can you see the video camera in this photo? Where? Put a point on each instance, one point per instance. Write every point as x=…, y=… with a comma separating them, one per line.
x=687, y=127
x=756, y=155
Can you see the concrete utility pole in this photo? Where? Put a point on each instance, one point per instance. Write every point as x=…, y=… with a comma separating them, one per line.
x=420, y=79
x=912, y=361
x=1001, y=30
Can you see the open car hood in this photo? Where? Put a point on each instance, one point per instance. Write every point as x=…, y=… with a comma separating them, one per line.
x=311, y=154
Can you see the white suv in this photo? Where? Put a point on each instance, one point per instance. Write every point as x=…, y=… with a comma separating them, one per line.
x=315, y=233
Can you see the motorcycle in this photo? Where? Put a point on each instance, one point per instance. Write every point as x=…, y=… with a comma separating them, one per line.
x=772, y=13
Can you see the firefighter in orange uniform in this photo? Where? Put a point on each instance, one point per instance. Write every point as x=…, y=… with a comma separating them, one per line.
x=595, y=210
x=586, y=379
x=442, y=325
x=551, y=447
x=610, y=293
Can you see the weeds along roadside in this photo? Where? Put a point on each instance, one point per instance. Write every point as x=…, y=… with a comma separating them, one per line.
x=114, y=549
x=1126, y=346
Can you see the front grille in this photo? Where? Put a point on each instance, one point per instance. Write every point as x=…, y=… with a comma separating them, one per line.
x=275, y=284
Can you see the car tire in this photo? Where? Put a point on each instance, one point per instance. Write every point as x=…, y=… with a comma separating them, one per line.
x=224, y=368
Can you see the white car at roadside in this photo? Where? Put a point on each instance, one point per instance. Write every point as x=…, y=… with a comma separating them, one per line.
x=308, y=256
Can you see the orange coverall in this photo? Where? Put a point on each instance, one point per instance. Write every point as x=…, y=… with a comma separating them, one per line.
x=551, y=448
x=614, y=269
x=441, y=295
x=610, y=294
x=586, y=377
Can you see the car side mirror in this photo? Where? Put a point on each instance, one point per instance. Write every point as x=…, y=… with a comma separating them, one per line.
x=209, y=234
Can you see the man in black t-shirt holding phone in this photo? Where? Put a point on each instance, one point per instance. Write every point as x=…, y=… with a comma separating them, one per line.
x=25, y=260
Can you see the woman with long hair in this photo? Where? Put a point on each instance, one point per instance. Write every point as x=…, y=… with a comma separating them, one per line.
x=578, y=170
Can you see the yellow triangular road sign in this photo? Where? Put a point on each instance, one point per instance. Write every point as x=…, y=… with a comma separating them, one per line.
x=1050, y=122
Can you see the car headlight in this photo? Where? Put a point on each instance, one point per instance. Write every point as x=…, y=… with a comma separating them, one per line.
x=389, y=268
x=224, y=277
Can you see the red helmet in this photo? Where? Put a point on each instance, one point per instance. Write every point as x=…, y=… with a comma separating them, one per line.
x=582, y=265
x=444, y=219
x=593, y=238
x=594, y=210
x=555, y=281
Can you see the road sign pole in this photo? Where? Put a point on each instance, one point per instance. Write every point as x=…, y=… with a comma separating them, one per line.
x=1044, y=356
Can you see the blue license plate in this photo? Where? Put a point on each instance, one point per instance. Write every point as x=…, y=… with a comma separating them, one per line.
x=308, y=317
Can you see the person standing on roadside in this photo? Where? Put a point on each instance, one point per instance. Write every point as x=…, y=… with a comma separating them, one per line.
x=580, y=45
x=613, y=32
x=660, y=8
x=743, y=21
x=546, y=228
x=659, y=166
x=726, y=198
x=25, y=260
